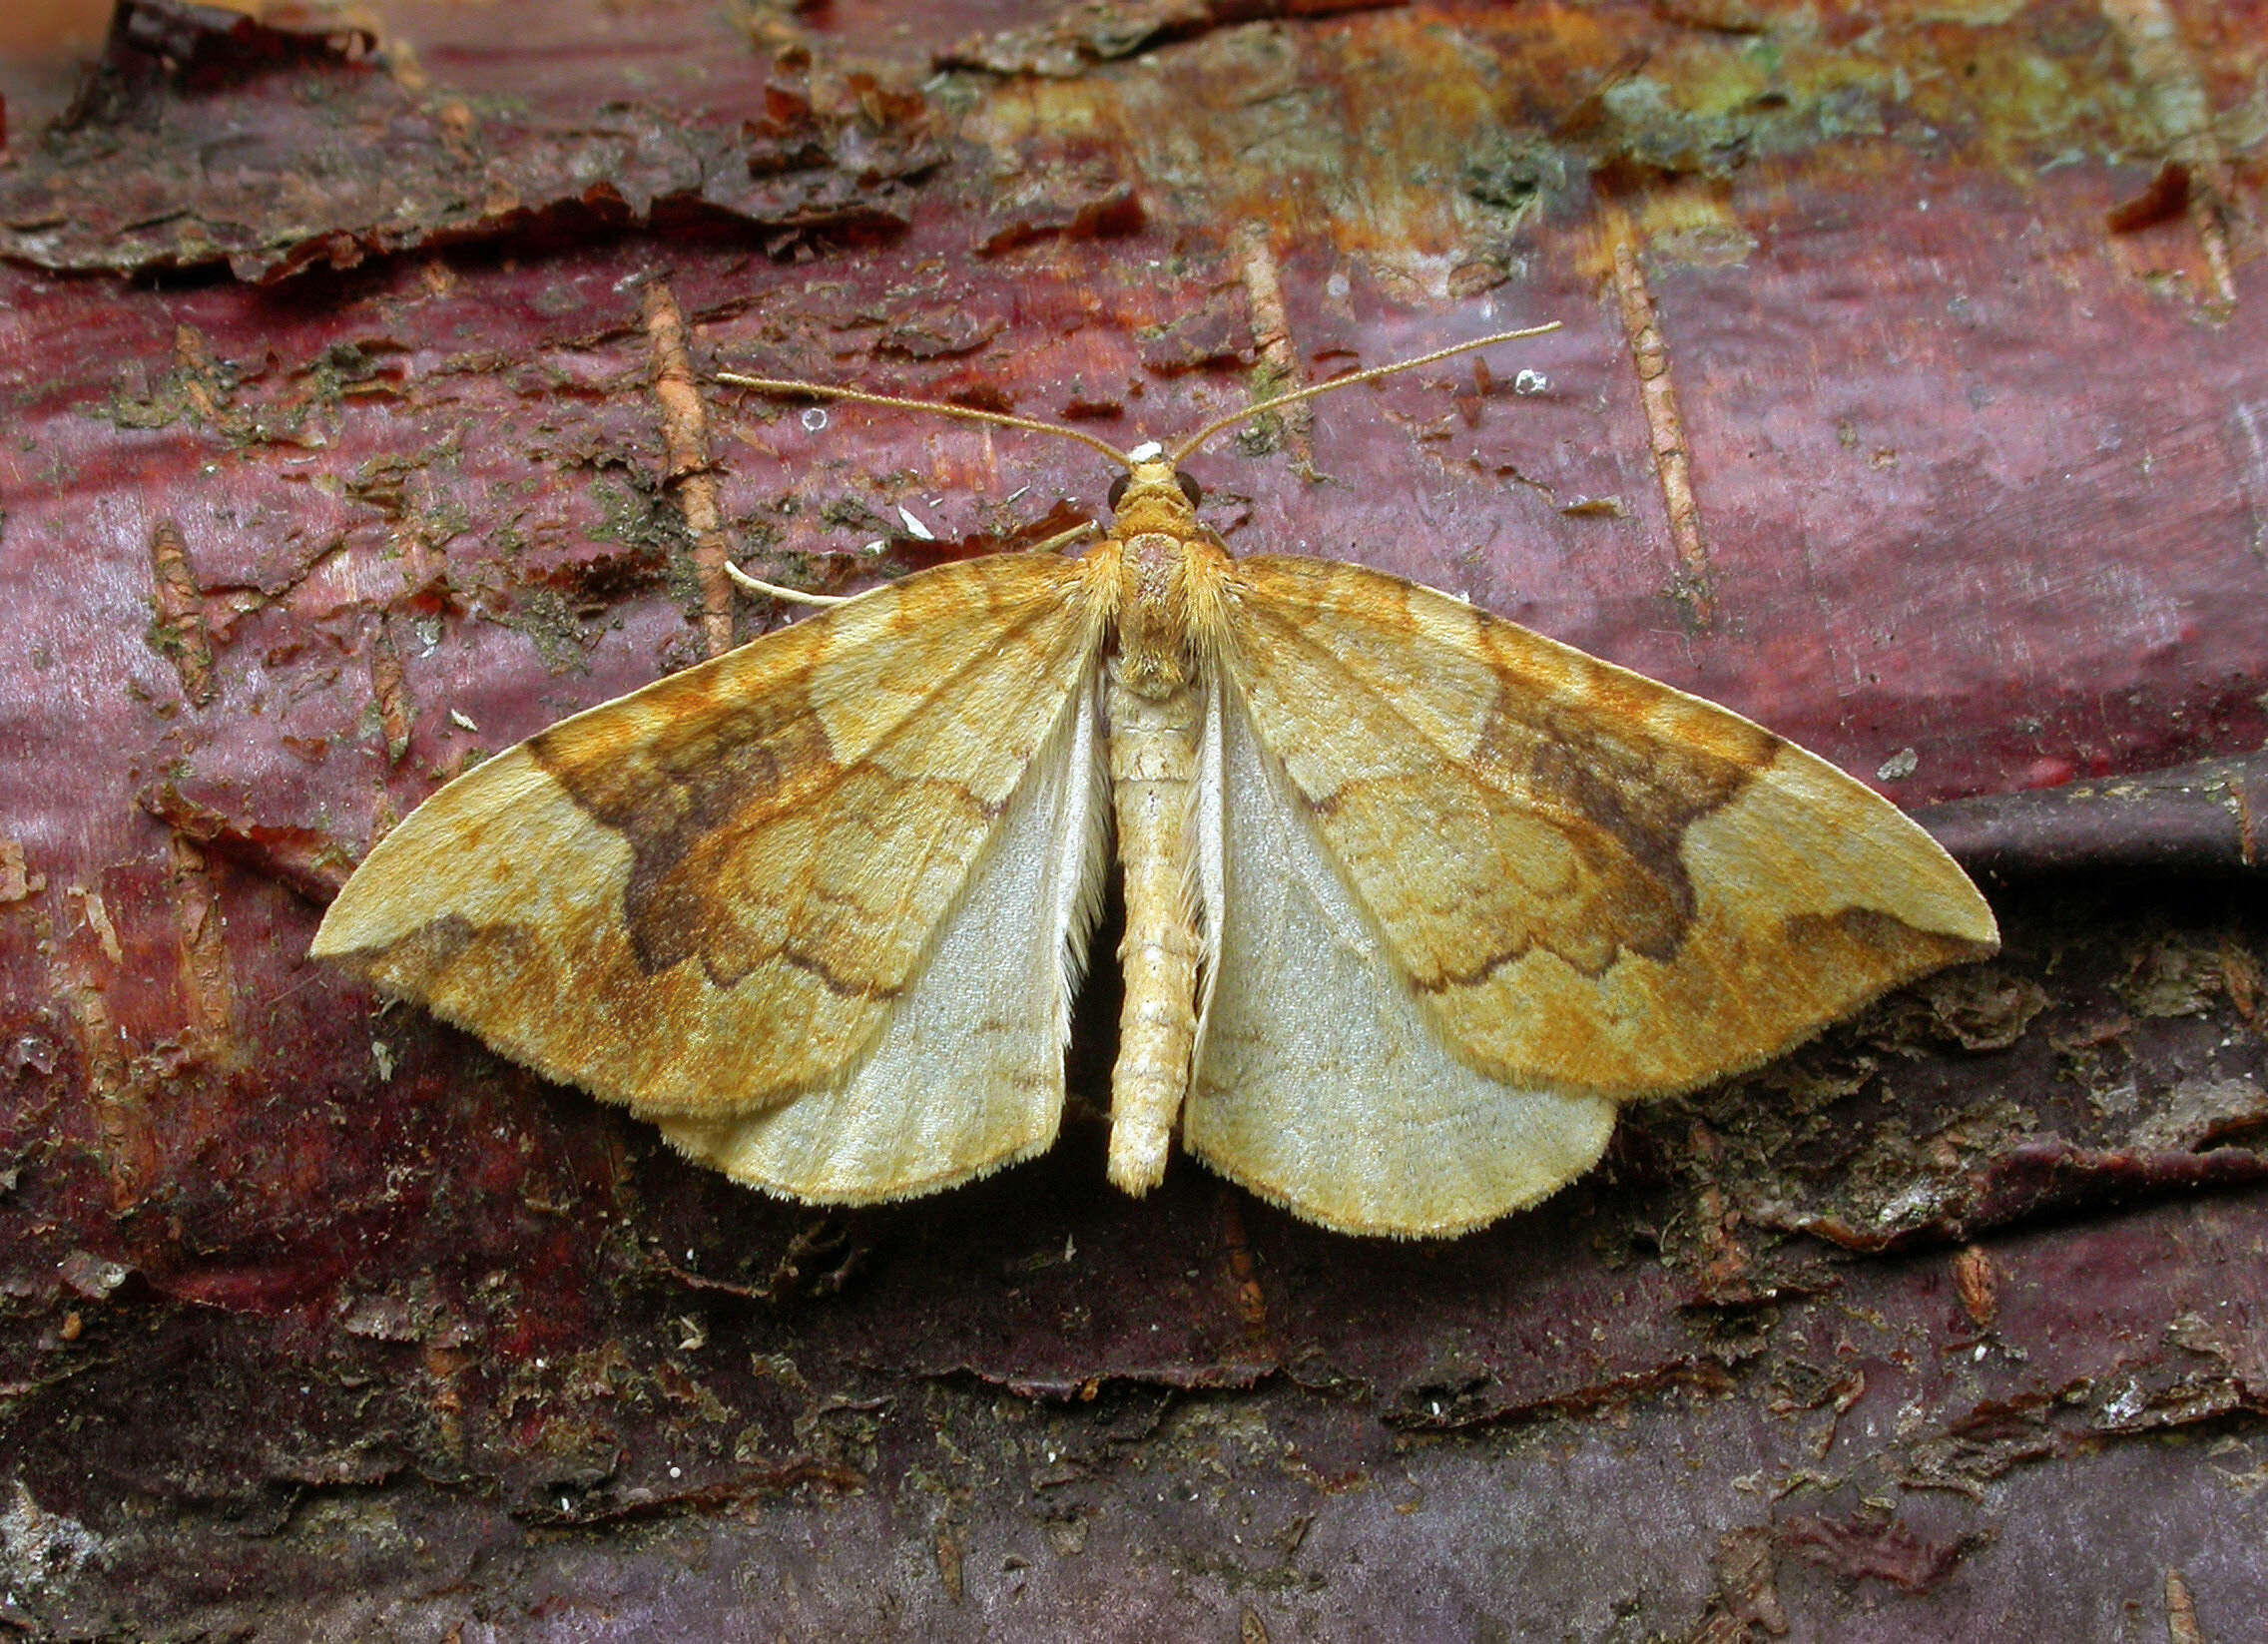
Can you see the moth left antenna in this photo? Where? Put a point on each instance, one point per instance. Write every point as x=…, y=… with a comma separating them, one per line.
x=1188, y=447
x=935, y=408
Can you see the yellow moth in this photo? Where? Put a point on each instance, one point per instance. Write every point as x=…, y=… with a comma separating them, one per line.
x=1414, y=898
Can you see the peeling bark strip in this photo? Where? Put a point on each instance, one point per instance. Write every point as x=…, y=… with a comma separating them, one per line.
x=1271, y=338
x=207, y=976
x=746, y=1484
x=389, y=686
x=685, y=441
x=299, y=858
x=1106, y=211
x=1978, y=1285
x=129, y=185
x=203, y=384
x=17, y=881
x=2180, y=1610
x=2037, y=1178
x=2181, y=107
x=1666, y=429
x=1866, y=1547
x=123, y=1152
x=179, y=633
x=1079, y=37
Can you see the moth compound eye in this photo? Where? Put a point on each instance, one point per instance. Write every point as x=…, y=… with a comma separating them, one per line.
x=1118, y=491
x=1190, y=489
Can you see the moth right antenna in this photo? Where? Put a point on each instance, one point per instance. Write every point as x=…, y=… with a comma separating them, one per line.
x=1220, y=424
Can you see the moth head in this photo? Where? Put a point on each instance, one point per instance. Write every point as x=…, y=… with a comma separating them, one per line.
x=1153, y=495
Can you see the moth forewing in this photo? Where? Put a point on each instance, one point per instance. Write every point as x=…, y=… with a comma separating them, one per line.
x=707, y=897
x=967, y=1074
x=1593, y=881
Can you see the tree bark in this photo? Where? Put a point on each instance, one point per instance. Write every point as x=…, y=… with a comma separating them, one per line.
x=1912, y=398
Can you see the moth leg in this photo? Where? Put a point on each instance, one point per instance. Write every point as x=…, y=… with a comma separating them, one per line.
x=793, y=596
x=1063, y=539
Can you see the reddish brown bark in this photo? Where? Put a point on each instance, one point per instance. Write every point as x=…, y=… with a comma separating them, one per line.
x=1911, y=398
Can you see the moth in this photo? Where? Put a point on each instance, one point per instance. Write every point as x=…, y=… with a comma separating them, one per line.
x=1415, y=898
